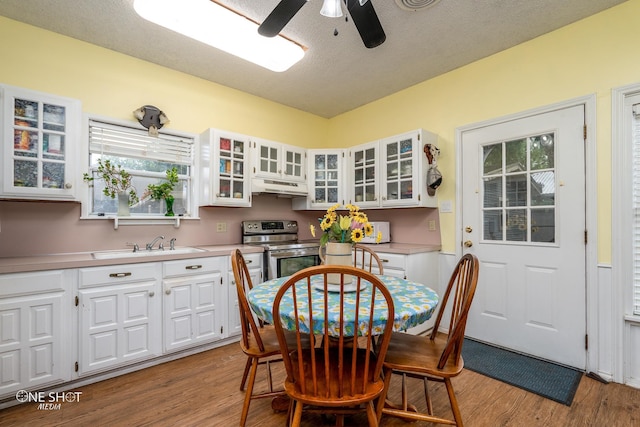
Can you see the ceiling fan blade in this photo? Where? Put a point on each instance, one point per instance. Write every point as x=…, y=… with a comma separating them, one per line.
x=279, y=17
x=366, y=20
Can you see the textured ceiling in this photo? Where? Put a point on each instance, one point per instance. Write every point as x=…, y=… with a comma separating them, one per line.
x=337, y=73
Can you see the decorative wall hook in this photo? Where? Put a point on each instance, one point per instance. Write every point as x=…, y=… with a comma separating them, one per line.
x=151, y=118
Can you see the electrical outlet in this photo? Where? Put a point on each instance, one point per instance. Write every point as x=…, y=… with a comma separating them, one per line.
x=432, y=225
x=221, y=227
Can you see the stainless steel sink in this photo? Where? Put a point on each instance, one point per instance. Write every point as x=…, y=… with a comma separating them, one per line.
x=128, y=253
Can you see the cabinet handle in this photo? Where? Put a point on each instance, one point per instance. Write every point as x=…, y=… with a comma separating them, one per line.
x=384, y=260
x=193, y=267
x=249, y=261
x=119, y=274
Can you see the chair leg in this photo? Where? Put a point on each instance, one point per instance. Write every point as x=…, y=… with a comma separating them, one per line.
x=249, y=392
x=245, y=373
x=454, y=402
x=427, y=396
x=371, y=415
x=297, y=414
x=383, y=396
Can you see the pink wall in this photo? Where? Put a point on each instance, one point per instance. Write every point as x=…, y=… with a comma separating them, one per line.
x=30, y=228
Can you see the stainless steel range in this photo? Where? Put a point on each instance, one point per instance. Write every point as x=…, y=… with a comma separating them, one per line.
x=284, y=254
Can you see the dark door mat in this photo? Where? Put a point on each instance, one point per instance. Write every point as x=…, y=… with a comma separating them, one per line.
x=549, y=380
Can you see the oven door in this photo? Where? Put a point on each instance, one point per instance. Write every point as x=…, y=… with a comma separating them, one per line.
x=285, y=262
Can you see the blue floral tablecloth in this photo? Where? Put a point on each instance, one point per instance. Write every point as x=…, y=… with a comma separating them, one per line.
x=414, y=304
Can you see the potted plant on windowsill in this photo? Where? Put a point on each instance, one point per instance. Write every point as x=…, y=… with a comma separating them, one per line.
x=163, y=190
x=117, y=182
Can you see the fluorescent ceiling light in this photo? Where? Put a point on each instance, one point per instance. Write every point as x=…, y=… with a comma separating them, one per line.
x=217, y=26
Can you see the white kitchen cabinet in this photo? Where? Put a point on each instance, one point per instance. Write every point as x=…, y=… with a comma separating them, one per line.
x=391, y=173
x=41, y=137
x=34, y=340
x=363, y=173
x=326, y=180
x=224, y=166
x=120, y=315
x=421, y=267
x=254, y=264
x=195, y=302
x=278, y=161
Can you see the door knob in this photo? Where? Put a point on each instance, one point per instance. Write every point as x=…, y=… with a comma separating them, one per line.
x=468, y=243
x=468, y=229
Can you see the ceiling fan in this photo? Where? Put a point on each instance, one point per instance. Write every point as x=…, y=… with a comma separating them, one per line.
x=362, y=13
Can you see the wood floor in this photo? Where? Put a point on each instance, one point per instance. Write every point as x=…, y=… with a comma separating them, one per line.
x=203, y=390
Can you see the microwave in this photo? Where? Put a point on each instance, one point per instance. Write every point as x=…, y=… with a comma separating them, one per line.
x=378, y=226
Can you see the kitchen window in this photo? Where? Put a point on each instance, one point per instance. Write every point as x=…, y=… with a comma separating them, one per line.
x=147, y=159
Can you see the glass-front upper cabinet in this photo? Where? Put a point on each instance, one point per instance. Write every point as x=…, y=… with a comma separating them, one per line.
x=41, y=137
x=403, y=170
x=363, y=170
x=274, y=160
x=326, y=182
x=224, y=166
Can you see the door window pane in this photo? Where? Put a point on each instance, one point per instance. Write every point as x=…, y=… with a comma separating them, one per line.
x=543, y=227
x=519, y=174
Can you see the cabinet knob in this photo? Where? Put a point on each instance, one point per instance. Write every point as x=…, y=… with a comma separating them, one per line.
x=68, y=185
x=151, y=294
x=168, y=292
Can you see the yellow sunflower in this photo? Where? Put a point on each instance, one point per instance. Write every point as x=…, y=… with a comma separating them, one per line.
x=357, y=234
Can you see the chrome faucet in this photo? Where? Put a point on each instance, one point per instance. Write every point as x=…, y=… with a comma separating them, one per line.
x=153, y=242
x=172, y=244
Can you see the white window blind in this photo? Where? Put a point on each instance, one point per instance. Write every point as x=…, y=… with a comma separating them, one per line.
x=636, y=209
x=108, y=139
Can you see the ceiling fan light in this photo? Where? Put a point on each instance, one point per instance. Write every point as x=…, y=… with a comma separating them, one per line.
x=331, y=8
x=217, y=26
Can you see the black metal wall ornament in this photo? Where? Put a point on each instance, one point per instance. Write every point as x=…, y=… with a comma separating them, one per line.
x=151, y=118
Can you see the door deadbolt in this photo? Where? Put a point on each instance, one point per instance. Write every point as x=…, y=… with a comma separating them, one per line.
x=468, y=243
x=468, y=229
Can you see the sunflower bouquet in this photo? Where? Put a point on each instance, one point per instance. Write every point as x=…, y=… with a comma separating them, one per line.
x=349, y=228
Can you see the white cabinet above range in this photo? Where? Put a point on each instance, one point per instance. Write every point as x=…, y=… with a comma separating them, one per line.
x=278, y=168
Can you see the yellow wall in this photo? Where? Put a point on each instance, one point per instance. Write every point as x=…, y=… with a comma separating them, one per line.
x=590, y=56
x=111, y=84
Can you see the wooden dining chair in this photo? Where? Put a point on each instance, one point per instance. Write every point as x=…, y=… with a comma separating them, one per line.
x=340, y=375
x=364, y=257
x=259, y=342
x=434, y=358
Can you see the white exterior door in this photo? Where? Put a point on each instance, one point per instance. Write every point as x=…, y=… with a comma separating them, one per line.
x=523, y=216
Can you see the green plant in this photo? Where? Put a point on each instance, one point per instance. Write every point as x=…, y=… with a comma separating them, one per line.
x=163, y=190
x=116, y=180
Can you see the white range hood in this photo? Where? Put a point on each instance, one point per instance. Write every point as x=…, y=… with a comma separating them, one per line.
x=285, y=188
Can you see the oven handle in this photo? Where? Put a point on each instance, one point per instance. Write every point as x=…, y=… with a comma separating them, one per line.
x=292, y=253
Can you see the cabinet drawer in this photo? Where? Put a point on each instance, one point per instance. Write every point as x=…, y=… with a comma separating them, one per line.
x=194, y=266
x=115, y=274
x=393, y=261
x=14, y=284
x=253, y=260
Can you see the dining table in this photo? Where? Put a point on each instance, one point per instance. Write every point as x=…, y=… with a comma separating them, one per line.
x=414, y=303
